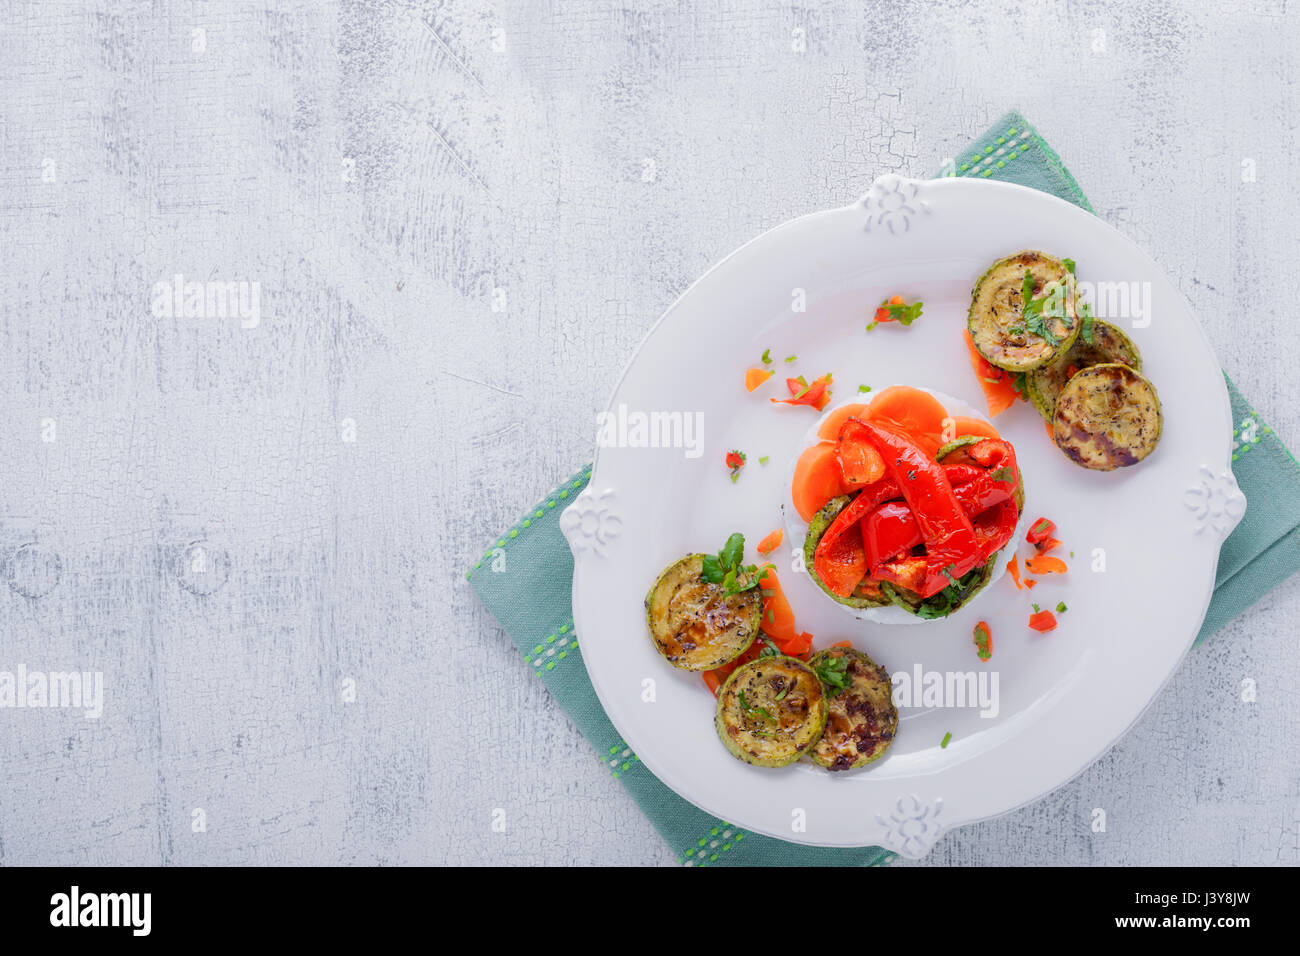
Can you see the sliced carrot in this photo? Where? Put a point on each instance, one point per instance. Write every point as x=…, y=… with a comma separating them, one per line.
x=1045, y=564
x=755, y=377
x=830, y=429
x=1051, y=433
x=1047, y=544
x=797, y=646
x=1030, y=582
x=1013, y=566
x=910, y=408
x=712, y=681
x=816, y=479
x=778, y=616
x=966, y=425
x=1043, y=621
x=998, y=384
x=895, y=300
x=771, y=541
x=842, y=644
x=715, y=678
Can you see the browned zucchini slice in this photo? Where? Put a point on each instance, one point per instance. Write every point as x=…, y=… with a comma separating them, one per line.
x=998, y=325
x=1107, y=417
x=771, y=711
x=696, y=625
x=862, y=720
x=1109, y=344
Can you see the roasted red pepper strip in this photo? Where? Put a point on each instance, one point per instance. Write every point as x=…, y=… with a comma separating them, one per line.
x=951, y=546
x=891, y=528
x=857, y=509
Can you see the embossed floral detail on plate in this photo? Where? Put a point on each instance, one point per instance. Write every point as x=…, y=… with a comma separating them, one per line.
x=893, y=203
x=591, y=522
x=913, y=828
x=1215, y=500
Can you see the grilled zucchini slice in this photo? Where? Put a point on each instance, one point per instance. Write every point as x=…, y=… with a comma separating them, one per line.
x=694, y=624
x=866, y=594
x=771, y=711
x=862, y=720
x=1107, y=417
x=997, y=320
x=1108, y=345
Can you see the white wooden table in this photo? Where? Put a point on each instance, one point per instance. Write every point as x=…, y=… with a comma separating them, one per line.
x=462, y=217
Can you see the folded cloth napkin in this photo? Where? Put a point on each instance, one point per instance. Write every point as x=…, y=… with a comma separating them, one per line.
x=532, y=601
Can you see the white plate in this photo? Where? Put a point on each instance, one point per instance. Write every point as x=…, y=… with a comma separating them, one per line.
x=1063, y=698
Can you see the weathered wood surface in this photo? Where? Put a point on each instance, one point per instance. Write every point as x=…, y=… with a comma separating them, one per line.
x=380, y=169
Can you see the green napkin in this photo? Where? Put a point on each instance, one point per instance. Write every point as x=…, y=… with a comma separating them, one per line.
x=532, y=600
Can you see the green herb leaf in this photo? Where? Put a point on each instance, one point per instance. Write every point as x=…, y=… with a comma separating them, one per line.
x=1037, y=609
x=763, y=460
x=791, y=358
x=1060, y=607
x=863, y=388
x=834, y=672
x=712, y=570
x=905, y=314
x=767, y=356
x=1069, y=264
x=946, y=738
x=759, y=711
x=1085, y=330
x=732, y=552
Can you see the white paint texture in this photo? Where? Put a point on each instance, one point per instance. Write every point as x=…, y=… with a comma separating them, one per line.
x=380, y=169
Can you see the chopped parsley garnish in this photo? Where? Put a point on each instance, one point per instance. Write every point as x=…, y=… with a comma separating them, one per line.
x=863, y=388
x=791, y=358
x=946, y=738
x=1037, y=608
x=767, y=356
x=905, y=314
x=1004, y=473
x=1060, y=607
x=725, y=568
x=947, y=573
x=758, y=711
x=1032, y=310
x=834, y=673
x=1085, y=330
x=763, y=459
x=1069, y=264
x=983, y=641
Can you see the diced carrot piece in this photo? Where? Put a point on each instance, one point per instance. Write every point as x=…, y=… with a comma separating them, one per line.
x=771, y=541
x=1030, y=582
x=895, y=300
x=1051, y=434
x=830, y=429
x=712, y=681
x=1045, y=564
x=755, y=377
x=816, y=479
x=1047, y=544
x=910, y=408
x=998, y=384
x=778, y=616
x=842, y=644
x=1043, y=621
x=797, y=646
x=1013, y=566
x=966, y=425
